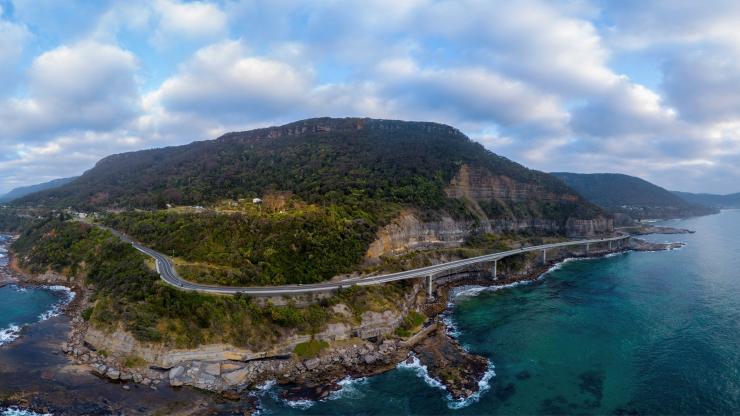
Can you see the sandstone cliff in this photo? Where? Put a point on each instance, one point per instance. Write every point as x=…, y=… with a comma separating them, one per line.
x=476, y=186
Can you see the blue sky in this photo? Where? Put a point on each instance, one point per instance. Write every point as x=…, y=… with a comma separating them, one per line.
x=644, y=88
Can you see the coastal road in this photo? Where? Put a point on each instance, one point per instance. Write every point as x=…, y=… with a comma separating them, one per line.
x=168, y=273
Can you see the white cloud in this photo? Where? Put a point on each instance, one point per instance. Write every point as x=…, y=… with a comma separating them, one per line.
x=188, y=21
x=13, y=39
x=223, y=81
x=79, y=87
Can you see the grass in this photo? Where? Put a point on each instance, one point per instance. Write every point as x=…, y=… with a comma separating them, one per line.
x=87, y=312
x=411, y=324
x=133, y=361
x=310, y=349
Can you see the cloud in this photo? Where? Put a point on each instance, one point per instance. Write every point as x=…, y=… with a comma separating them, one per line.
x=224, y=82
x=87, y=86
x=13, y=39
x=188, y=21
x=704, y=87
x=640, y=88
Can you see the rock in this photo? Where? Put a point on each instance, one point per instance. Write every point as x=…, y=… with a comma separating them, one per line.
x=448, y=362
x=126, y=387
x=146, y=381
x=138, y=378
x=235, y=377
x=175, y=376
x=100, y=369
x=113, y=374
x=176, y=372
x=213, y=369
x=125, y=376
x=65, y=347
x=227, y=367
x=312, y=363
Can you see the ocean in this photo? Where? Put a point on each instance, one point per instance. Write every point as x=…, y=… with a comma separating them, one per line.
x=635, y=333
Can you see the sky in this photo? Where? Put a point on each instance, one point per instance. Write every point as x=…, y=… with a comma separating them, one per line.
x=650, y=89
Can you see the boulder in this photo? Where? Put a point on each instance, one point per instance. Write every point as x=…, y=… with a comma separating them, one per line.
x=113, y=374
x=235, y=377
x=176, y=372
x=312, y=363
x=213, y=369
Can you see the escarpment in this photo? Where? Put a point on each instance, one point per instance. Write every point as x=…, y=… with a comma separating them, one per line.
x=499, y=203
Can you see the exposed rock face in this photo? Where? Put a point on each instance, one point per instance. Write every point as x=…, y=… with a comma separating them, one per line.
x=408, y=233
x=480, y=185
x=474, y=185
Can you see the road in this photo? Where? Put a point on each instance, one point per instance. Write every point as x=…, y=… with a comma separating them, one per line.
x=168, y=273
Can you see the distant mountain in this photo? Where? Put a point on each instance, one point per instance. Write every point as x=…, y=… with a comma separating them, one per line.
x=712, y=200
x=27, y=190
x=374, y=168
x=633, y=196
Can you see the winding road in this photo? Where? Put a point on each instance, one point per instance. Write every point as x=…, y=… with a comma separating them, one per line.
x=168, y=273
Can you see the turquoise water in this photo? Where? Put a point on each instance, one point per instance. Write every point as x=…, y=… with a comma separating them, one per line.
x=637, y=333
x=22, y=306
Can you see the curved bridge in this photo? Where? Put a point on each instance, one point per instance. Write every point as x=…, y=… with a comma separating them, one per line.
x=168, y=273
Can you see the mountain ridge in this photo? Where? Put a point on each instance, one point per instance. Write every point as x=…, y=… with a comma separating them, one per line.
x=351, y=161
x=630, y=195
x=22, y=191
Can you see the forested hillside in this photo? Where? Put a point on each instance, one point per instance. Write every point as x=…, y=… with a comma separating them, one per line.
x=125, y=291
x=329, y=186
x=630, y=195
x=27, y=190
x=359, y=163
x=712, y=200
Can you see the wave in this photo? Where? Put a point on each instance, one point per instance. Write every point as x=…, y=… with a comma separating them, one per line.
x=475, y=290
x=483, y=386
x=9, y=334
x=13, y=331
x=57, y=308
x=16, y=411
x=348, y=390
x=422, y=372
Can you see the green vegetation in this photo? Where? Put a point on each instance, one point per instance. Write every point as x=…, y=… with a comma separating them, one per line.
x=630, y=195
x=128, y=294
x=14, y=220
x=133, y=361
x=297, y=245
x=370, y=169
x=310, y=348
x=87, y=313
x=411, y=323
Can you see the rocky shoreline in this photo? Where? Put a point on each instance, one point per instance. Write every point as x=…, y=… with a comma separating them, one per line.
x=314, y=378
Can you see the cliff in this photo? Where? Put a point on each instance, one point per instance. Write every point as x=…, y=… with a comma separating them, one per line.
x=484, y=193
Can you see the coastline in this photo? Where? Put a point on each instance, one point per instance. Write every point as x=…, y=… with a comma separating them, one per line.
x=321, y=377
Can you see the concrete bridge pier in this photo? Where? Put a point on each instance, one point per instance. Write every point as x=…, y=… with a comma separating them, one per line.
x=610, y=244
x=430, y=288
x=588, y=247
x=494, y=269
x=544, y=257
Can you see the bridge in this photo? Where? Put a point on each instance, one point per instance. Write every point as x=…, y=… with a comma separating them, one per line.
x=168, y=273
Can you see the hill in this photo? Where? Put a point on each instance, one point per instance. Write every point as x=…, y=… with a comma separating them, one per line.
x=337, y=194
x=363, y=163
x=27, y=190
x=630, y=195
x=712, y=200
